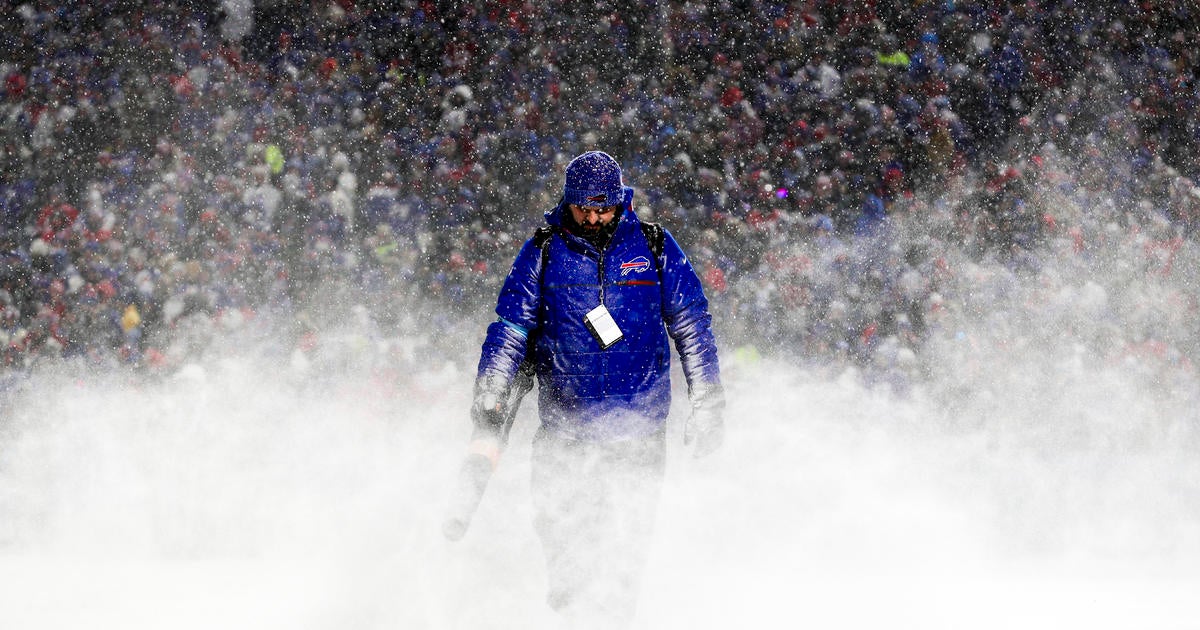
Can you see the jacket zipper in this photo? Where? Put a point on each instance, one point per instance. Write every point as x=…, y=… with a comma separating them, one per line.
x=603, y=357
x=602, y=278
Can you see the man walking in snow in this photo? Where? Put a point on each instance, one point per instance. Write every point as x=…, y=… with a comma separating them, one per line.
x=588, y=307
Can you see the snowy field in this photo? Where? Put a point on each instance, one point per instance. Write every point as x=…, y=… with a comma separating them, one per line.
x=237, y=495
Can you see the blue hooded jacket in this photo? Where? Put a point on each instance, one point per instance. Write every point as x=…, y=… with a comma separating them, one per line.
x=586, y=392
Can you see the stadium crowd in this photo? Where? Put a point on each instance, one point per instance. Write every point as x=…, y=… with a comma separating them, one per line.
x=852, y=180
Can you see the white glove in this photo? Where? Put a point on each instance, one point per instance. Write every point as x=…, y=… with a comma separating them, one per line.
x=706, y=425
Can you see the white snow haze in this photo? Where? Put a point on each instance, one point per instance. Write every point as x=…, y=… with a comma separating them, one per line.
x=1021, y=480
x=1018, y=488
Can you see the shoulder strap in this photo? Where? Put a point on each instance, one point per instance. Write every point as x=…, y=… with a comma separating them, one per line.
x=655, y=236
x=541, y=240
x=541, y=236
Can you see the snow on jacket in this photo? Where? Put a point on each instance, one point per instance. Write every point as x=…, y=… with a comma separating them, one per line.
x=586, y=392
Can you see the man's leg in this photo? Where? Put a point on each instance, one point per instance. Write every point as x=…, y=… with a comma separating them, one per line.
x=561, y=498
x=633, y=473
x=595, y=506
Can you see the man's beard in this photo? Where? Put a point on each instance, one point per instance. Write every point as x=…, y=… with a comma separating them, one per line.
x=599, y=234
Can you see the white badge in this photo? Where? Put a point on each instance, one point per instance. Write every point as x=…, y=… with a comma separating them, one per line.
x=601, y=323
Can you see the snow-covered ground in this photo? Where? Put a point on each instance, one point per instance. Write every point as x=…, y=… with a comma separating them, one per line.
x=236, y=496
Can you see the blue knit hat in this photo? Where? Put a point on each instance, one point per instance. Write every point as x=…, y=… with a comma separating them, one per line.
x=593, y=179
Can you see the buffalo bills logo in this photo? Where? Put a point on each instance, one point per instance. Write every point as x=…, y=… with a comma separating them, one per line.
x=637, y=265
x=600, y=199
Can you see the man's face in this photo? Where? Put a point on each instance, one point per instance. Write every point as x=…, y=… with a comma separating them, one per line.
x=592, y=218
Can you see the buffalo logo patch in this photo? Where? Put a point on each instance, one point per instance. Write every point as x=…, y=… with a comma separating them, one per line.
x=637, y=265
x=602, y=198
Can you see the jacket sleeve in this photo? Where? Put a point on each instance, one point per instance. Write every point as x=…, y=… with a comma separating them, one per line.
x=505, y=345
x=685, y=312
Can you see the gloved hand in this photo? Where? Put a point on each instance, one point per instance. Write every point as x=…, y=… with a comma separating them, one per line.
x=706, y=426
x=488, y=412
x=489, y=408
